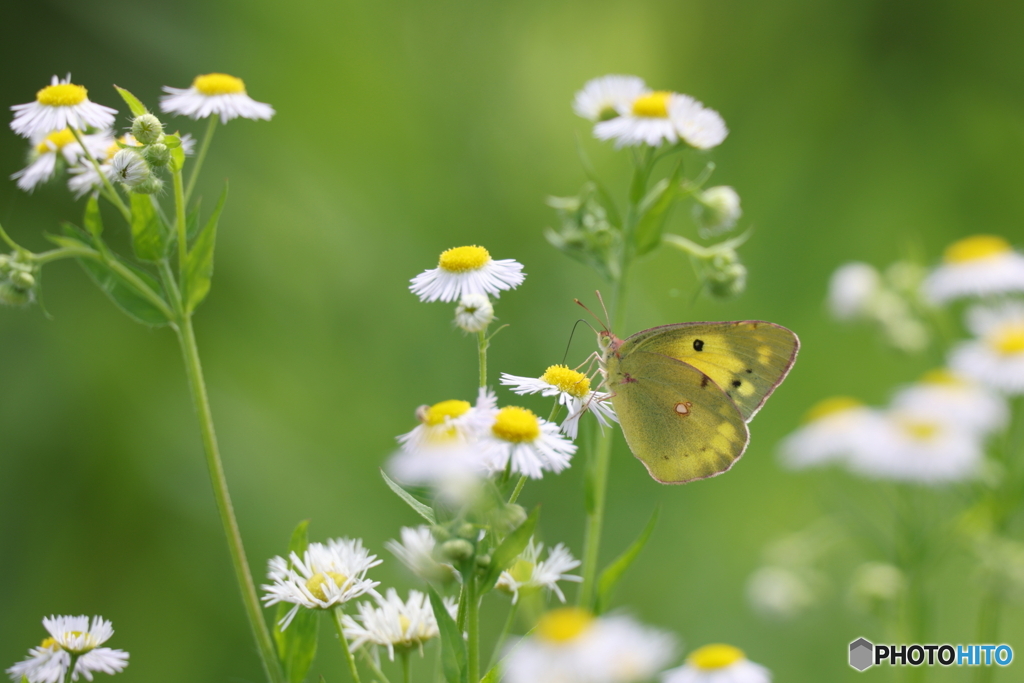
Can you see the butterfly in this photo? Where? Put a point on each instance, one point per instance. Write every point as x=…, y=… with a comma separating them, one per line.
x=684, y=393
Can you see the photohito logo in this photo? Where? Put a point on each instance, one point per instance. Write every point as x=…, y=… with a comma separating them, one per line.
x=865, y=654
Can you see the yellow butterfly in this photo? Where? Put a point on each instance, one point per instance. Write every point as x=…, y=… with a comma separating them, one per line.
x=684, y=393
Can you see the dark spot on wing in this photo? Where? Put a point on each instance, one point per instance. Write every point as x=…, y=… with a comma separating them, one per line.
x=736, y=382
x=749, y=371
x=698, y=344
x=704, y=381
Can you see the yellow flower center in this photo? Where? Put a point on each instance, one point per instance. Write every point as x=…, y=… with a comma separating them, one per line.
x=716, y=656
x=831, y=406
x=315, y=584
x=462, y=259
x=976, y=248
x=943, y=377
x=571, y=382
x=516, y=424
x=49, y=644
x=1009, y=340
x=218, y=84
x=57, y=140
x=62, y=95
x=652, y=105
x=439, y=413
x=564, y=624
x=404, y=624
x=921, y=431
x=522, y=571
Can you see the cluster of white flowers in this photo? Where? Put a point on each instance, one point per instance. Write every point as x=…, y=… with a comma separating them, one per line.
x=625, y=110
x=65, y=128
x=73, y=641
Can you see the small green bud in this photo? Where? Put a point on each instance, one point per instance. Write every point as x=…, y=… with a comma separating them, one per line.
x=483, y=561
x=5, y=264
x=509, y=517
x=152, y=185
x=728, y=280
x=157, y=154
x=130, y=168
x=14, y=296
x=467, y=531
x=717, y=210
x=23, y=280
x=457, y=550
x=440, y=533
x=148, y=129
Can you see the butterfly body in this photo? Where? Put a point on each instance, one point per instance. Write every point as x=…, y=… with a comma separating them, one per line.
x=684, y=393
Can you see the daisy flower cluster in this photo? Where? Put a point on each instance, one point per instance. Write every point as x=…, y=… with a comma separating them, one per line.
x=73, y=645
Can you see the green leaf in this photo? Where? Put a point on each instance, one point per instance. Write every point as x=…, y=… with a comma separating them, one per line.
x=614, y=571
x=296, y=645
x=605, y=197
x=423, y=511
x=177, y=159
x=509, y=549
x=192, y=221
x=172, y=140
x=147, y=229
x=654, y=211
x=136, y=107
x=199, y=264
x=493, y=675
x=453, y=647
x=93, y=221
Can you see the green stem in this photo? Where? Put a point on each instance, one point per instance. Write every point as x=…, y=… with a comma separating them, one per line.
x=63, y=253
x=71, y=668
x=111, y=194
x=141, y=287
x=194, y=370
x=11, y=243
x=505, y=631
x=180, y=222
x=210, y=128
x=337, y=613
x=371, y=662
x=169, y=283
x=988, y=630
x=473, y=629
x=482, y=343
x=518, y=489
x=406, y=666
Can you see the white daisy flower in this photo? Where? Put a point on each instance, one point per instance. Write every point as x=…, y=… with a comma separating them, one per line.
x=718, y=664
x=529, y=572
x=417, y=552
x=84, y=177
x=60, y=105
x=214, y=94
x=327, y=574
x=780, y=593
x=45, y=153
x=573, y=391
x=570, y=645
x=604, y=97
x=467, y=270
x=833, y=430
x=474, y=313
x=717, y=209
x=980, y=265
x=969, y=404
x=71, y=637
x=996, y=358
x=129, y=167
x=531, y=444
x=852, y=290
x=394, y=623
x=663, y=116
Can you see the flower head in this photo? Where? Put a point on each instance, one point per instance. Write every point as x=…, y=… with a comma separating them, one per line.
x=852, y=290
x=718, y=664
x=996, y=357
x=71, y=637
x=968, y=404
x=326, y=575
x=571, y=645
x=467, y=270
x=45, y=153
x=529, y=572
x=394, y=623
x=833, y=430
x=660, y=116
x=717, y=209
x=603, y=98
x=211, y=94
x=976, y=266
x=417, y=552
x=531, y=444
x=573, y=391
x=474, y=312
x=60, y=105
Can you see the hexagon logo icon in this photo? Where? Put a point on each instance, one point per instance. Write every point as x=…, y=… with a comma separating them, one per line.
x=861, y=654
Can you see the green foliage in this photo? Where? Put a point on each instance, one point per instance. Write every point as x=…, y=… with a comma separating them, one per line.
x=93, y=221
x=453, y=647
x=136, y=107
x=199, y=265
x=509, y=549
x=422, y=510
x=148, y=234
x=586, y=234
x=611, y=574
x=296, y=645
x=654, y=210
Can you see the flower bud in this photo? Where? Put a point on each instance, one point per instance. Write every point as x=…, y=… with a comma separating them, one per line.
x=509, y=517
x=157, y=154
x=440, y=533
x=727, y=277
x=717, y=209
x=467, y=531
x=11, y=295
x=151, y=185
x=483, y=561
x=130, y=168
x=474, y=313
x=457, y=550
x=148, y=129
x=23, y=280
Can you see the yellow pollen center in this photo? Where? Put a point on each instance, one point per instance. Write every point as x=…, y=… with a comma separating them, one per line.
x=404, y=623
x=516, y=424
x=315, y=584
x=716, y=656
x=522, y=571
x=49, y=644
x=462, y=259
x=976, y=248
x=62, y=95
x=218, y=84
x=564, y=624
x=439, y=413
x=57, y=141
x=921, y=431
x=831, y=406
x=943, y=377
x=652, y=105
x=1009, y=340
x=571, y=382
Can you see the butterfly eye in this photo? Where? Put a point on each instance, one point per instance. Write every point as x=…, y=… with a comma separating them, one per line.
x=698, y=344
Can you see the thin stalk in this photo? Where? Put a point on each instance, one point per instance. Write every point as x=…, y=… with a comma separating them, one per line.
x=140, y=286
x=71, y=668
x=482, y=343
x=111, y=194
x=406, y=666
x=374, y=665
x=180, y=221
x=473, y=628
x=11, y=243
x=518, y=489
x=505, y=631
x=337, y=613
x=62, y=253
x=207, y=138
x=167, y=277
x=194, y=370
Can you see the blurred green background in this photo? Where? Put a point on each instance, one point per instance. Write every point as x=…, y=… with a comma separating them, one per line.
x=864, y=130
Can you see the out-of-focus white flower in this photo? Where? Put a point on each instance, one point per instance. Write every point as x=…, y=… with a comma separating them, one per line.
x=474, y=313
x=71, y=636
x=876, y=585
x=966, y=403
x=996, y=358
x=531, y=444
x=717, y=209
x=660, y=117
x=60, y=105
x=417, y=552
x=570, y=645
x=530, y=572
x=718, y=664
x=211, y=94
x=394, y=623
x=326, y=575
x=833, y=431
x=45, y=152
x=980, y=265
x=467, y=270
x=781, y=593
x=852, y=289
x=604, y=97
x=573, y=391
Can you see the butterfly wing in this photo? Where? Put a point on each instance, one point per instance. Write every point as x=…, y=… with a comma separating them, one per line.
x=748, y=359
x=676, y=421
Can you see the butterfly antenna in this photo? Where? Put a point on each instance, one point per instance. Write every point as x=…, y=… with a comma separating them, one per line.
x=584, y=307
x=581, y=320
x=604, y=308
